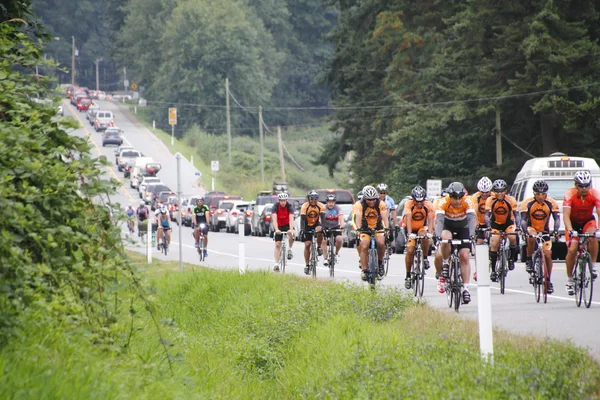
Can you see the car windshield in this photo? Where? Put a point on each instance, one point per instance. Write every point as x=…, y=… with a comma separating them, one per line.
x=163, y=197
x=262, y=200
x=557, y=189
x=112, y=132
x=158, y=188
x=130, y=154
x=226, y=206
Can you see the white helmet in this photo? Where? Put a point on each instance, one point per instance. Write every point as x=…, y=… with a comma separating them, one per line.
x=283, y=196
x=382, y=187
x=369, y=193
x=583, y=178
x=142, y=203
x=484, y=184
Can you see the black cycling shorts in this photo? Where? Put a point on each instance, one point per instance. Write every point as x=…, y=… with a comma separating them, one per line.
x=307, y=235
x=459, y=231
x=279, y=236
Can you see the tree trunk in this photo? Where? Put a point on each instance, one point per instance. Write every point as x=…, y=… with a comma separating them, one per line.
x=547, y=124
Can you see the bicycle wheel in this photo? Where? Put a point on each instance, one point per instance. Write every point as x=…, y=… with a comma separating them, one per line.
x=332, y=259
x=165, y=244
x=537, y=274
x=313, y=260
x=372, y=267
x=578, y=279
x=449, y=285
x=416, y=272
x=201, y=248
x=587, y=282
x=544, y=281
x=456, y=286
x=283, y=256
x=421, y=278
x=501, y=269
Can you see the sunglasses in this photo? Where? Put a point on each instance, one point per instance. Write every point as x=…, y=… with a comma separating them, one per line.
x=584, y=186
x=382, y=192
x=457, y=195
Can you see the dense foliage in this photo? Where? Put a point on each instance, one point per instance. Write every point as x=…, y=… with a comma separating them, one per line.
x=428, y=79
x=60, y=254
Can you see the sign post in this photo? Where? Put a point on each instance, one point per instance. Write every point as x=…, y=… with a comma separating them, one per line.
x=214, y=167
x=434, y=188
x=172, y=122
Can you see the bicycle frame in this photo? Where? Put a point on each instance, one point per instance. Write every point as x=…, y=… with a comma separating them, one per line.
x=454, y=283
x=373, y=262
x=283, y=253
x=503, y=257
x=418, y=268
x=540, y=276
x=583, y=271
x=331, y=248
x=313, y=258
x=201, y=241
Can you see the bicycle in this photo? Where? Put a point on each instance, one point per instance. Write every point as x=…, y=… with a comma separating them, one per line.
x=583, y=273
x=283, y=252
x=373, y=260
x=164, y=242
x=388, y=253
x=313, y=258
x=201, y=242
x=142, y=229
x=539, y=277
x=130, y=225
x=454, y=282
x=331, y=256
x=503, y=257
x=417, y=273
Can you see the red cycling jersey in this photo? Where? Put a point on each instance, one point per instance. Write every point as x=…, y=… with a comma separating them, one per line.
x=582, y=208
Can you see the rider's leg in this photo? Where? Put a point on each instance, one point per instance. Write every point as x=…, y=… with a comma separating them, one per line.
x=465, y=265
x=494, y=244
x=290, y=238
x=169, y=236
x=362, y=250
x=380, y=242
x=158, y=235
x=571, y=255
x=339, y=242
x=512, y=240
x=410, y=255
x=196, y=235
x=277, y=250
x=307, y=250
x=593, y=243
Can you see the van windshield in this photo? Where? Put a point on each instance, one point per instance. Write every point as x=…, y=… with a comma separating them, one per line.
x=557, y=189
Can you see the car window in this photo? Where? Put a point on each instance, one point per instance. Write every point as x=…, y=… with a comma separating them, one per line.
x=130, y=154
x=226, y=206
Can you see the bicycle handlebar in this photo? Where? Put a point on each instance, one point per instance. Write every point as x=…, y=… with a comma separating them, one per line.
x=455, y=241
x=515, y=233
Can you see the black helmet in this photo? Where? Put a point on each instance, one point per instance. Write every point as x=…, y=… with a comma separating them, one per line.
x=499, y=185
x=540, y=187
x=456, y=190
x=312, y=195
x=418, y=193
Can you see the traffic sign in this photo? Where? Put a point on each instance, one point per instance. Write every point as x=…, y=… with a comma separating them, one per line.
x=214, y=166
x=172, y=116
x=134, y=86
x=434, y=187
x=126, y=83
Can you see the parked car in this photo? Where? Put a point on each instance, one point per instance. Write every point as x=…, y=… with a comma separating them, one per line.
x=264, y=220
x=236, y=216
x=103, y=120
x=145, y=182
x=112, y=135
x=263, y=198
x=152, y=190
x=126, y=156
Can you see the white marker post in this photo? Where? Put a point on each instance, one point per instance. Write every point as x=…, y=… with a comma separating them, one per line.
x=484, y=303
x=149, y=240
x=178, y=157
x=242, y=246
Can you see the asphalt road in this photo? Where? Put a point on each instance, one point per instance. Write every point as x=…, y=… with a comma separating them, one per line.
x=515, y=311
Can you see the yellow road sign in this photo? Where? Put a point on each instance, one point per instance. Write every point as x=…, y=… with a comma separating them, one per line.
x=134, y=86
x=172, y=116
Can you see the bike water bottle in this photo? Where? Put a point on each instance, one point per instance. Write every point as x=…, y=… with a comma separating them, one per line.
x=153, y=238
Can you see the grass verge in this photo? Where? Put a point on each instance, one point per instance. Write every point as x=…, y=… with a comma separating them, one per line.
x=262, y=335
x=242, y=175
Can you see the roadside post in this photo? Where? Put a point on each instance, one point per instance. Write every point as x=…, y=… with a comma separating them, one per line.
x=149, y=240
x=484, y=303
x=178, y=157
x=242, y=246
x=172, y=122
x=214, y=167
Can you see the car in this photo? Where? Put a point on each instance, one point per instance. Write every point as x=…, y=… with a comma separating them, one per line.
x=83, y=103
x=182, y=208
x=348, y=235
x=112, y=135
x=218, y=219
x=186, y=220
x=120, y=149
x=173, y=207
x=213, y=201
x=103, y=120
x=237, y=215
x=264, y=220
x=91, y=113
x=126, y=156
x=263, y=198
x=342, y=196
x=162, y=197
x=146, y=180
x=152, y=191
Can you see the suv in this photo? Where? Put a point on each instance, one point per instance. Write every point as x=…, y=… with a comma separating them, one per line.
x=112, y=135
x=103, y=120
x=218, y=218
x=147, y=180
x=127, y=156
x=154, y=189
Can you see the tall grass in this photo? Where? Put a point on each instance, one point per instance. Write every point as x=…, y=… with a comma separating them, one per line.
x=242, y=176
x=260, y=335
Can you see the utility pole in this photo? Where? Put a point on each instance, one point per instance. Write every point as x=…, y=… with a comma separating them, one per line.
x=228, y=119
x=97, y=74
x=73, y=62
x=262, y=149
x=281, y=154
x=498, y=138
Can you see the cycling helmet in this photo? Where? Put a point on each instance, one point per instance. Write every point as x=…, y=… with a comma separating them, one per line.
x=484, y=184
x=200, y=199
x=163, y=210
x=382, y=187
x=369, y=193
x=331, y=197
x=283, y=196
x=418, y=193
x=583, y=178
x=456, y=190
x=142, y=203
x=499, y=185
x=312, y=195
x=359, y=195
x=540, y=187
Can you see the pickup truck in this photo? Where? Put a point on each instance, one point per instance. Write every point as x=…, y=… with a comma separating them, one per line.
x=127, y=156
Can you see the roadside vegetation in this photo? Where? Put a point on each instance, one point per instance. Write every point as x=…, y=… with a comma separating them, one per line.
x=242, y=176
x=261, y=335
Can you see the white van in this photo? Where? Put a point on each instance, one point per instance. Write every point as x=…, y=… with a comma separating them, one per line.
x=557, y=170
x=138, y=168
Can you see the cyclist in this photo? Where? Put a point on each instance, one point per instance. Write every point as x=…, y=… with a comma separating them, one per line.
x=164, y=224
x=311, y=215
x=371, y=214
x=282, y=218
x=142, y=214
x=535, y=217
x=382, y=189
x=333, y=219
x=501, y=215
x=418, y=214
x=130, y=217
x=359, y=196
x=454, y=219
x=200, y=215
x=484, y=187
x=578, y=206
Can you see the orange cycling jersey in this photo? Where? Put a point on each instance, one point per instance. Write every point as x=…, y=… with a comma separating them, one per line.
x=479, y=203
x=312, y=212
x=538, y=214
x=581, y=207
x=370, y=215
x=452, y=213
x=502, y=210
x=418, y=215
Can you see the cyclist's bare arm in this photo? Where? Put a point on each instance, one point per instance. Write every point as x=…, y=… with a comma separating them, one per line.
x=430, y=222
x=567, y=217
x=274, y=222
x=408, y=216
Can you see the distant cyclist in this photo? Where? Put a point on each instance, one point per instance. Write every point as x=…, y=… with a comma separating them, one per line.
x=419, y=216
x=142, y=214
x=333, y=219
x=484, y=187
x=535, y=218
x=130, y=217
x=371, y=214
x=355, y=206
x=200, y=216
x=282, y=219
x=311, y=215
x=164, y=225
x=382, y=189
x=578, y=206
